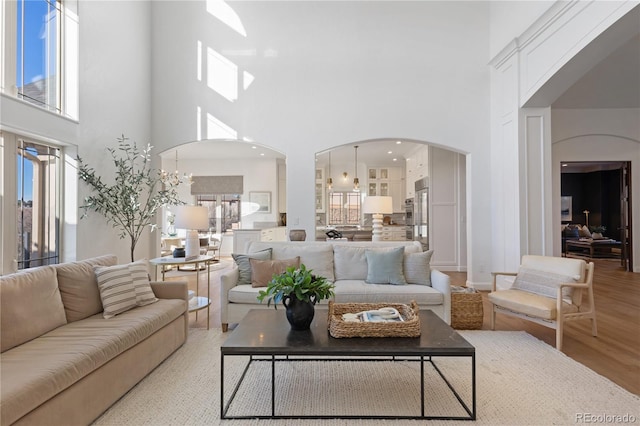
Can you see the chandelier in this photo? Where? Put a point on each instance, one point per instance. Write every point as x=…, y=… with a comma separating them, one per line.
x=174, y=179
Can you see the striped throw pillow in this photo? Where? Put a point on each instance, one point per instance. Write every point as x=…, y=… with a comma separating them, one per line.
x=117, y=290
x=140, y=277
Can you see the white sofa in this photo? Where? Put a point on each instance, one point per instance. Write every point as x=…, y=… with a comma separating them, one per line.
x=345, y=264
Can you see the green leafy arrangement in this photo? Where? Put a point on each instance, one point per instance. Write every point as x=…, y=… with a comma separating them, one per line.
x=598, y=229
x=131, y=203
x=300, y=283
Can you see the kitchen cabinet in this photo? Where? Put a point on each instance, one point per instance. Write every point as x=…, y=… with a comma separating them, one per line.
x=394, y=233
x=417, y=168
x=387, y=181
x=242, y=236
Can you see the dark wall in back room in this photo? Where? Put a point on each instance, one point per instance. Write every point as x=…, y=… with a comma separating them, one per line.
x=598, y=192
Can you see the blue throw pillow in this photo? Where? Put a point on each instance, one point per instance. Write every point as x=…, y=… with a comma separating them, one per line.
x=244, y=265
x=385, y=267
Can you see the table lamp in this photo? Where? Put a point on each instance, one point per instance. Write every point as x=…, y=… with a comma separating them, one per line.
x=377, y=205
x=192, y=218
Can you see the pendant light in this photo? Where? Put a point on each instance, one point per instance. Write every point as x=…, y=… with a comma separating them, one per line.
x=356, y=182
x=329, y=180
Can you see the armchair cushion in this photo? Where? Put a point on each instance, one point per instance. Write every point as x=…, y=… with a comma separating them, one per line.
x=529, y=303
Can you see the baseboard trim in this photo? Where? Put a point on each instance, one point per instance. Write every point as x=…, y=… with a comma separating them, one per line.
x=480, y=286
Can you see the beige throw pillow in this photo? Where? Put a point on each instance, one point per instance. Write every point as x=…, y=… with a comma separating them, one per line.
x=262, y=271
x=417, y=268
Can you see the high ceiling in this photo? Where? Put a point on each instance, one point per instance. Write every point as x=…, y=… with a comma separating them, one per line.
x=612, y=83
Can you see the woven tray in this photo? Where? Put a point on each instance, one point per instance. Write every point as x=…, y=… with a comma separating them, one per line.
x=338, y=328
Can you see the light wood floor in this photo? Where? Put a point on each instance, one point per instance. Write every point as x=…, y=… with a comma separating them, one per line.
x=615, y=353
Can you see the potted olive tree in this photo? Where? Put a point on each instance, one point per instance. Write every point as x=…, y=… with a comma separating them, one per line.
x=132, y=201
x=298, y=290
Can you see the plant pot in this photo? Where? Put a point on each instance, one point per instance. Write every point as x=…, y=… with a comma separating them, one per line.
x=597, y=236
x=299, y=313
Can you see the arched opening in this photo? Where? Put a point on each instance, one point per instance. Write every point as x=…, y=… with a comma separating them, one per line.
x=391, y=167
x=242, y=184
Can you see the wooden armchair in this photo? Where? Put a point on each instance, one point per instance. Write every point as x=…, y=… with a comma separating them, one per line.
x=548, y=291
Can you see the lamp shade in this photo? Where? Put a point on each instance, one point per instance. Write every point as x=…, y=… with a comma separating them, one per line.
x=378, y=204
x=192, y=217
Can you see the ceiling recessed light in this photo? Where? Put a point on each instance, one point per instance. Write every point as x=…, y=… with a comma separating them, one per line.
x=395, y=159
x=398, y=142
x=254, y=147
x=262, y=154
x=389, y=152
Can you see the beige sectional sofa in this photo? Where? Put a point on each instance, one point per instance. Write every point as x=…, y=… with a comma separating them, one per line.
x=344, y=263
x=62, y=362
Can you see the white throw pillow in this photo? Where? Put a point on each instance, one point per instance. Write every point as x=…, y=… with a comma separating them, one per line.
x=417, y=268
x=542, y=282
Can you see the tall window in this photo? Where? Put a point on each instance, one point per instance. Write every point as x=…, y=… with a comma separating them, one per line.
x=38, y=213
x=344, y=208
x=224, y=211
x=39, y=46
x=38, y=52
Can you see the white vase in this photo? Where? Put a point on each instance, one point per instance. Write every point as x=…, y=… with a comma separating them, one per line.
x=596, y=235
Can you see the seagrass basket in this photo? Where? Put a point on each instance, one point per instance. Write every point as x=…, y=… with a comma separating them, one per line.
x=466, y=309
x=339, y=328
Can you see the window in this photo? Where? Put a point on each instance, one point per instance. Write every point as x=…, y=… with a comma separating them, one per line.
x=224, y=211
x=344, y=208
x=38, y=171
x=37, y=63
x=40, y=53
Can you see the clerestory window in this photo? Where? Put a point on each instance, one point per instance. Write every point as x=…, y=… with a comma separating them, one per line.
x=40, y=53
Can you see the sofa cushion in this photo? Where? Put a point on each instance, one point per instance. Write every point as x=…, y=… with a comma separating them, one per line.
x=117, y=289
x=36, y=371
x=262, y=271
x=79, y=287
x=350, y=260
x=417, y=268
x=244, y=266
x=245, y=294
x=385, y=267
x=357, y=291
x=316, y=256
x=30, y=305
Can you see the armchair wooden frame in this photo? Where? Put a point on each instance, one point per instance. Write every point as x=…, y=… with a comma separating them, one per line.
x=583, y=312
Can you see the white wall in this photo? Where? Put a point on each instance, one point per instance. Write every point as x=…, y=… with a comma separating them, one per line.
x=114, y=100
x=597, y=135
x=330, y=73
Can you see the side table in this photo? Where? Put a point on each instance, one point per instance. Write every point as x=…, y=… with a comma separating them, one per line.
x=201, y=302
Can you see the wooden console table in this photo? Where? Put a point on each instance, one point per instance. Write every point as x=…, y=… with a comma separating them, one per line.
x=593, y=249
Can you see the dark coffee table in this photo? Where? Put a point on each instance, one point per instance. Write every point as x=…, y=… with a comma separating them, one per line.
x=265, y=335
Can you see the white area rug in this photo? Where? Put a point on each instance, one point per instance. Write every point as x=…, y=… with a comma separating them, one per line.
x=520, y=381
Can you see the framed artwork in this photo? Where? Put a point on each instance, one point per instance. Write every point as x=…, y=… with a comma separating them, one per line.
x=565, y=209
x=262, y=199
